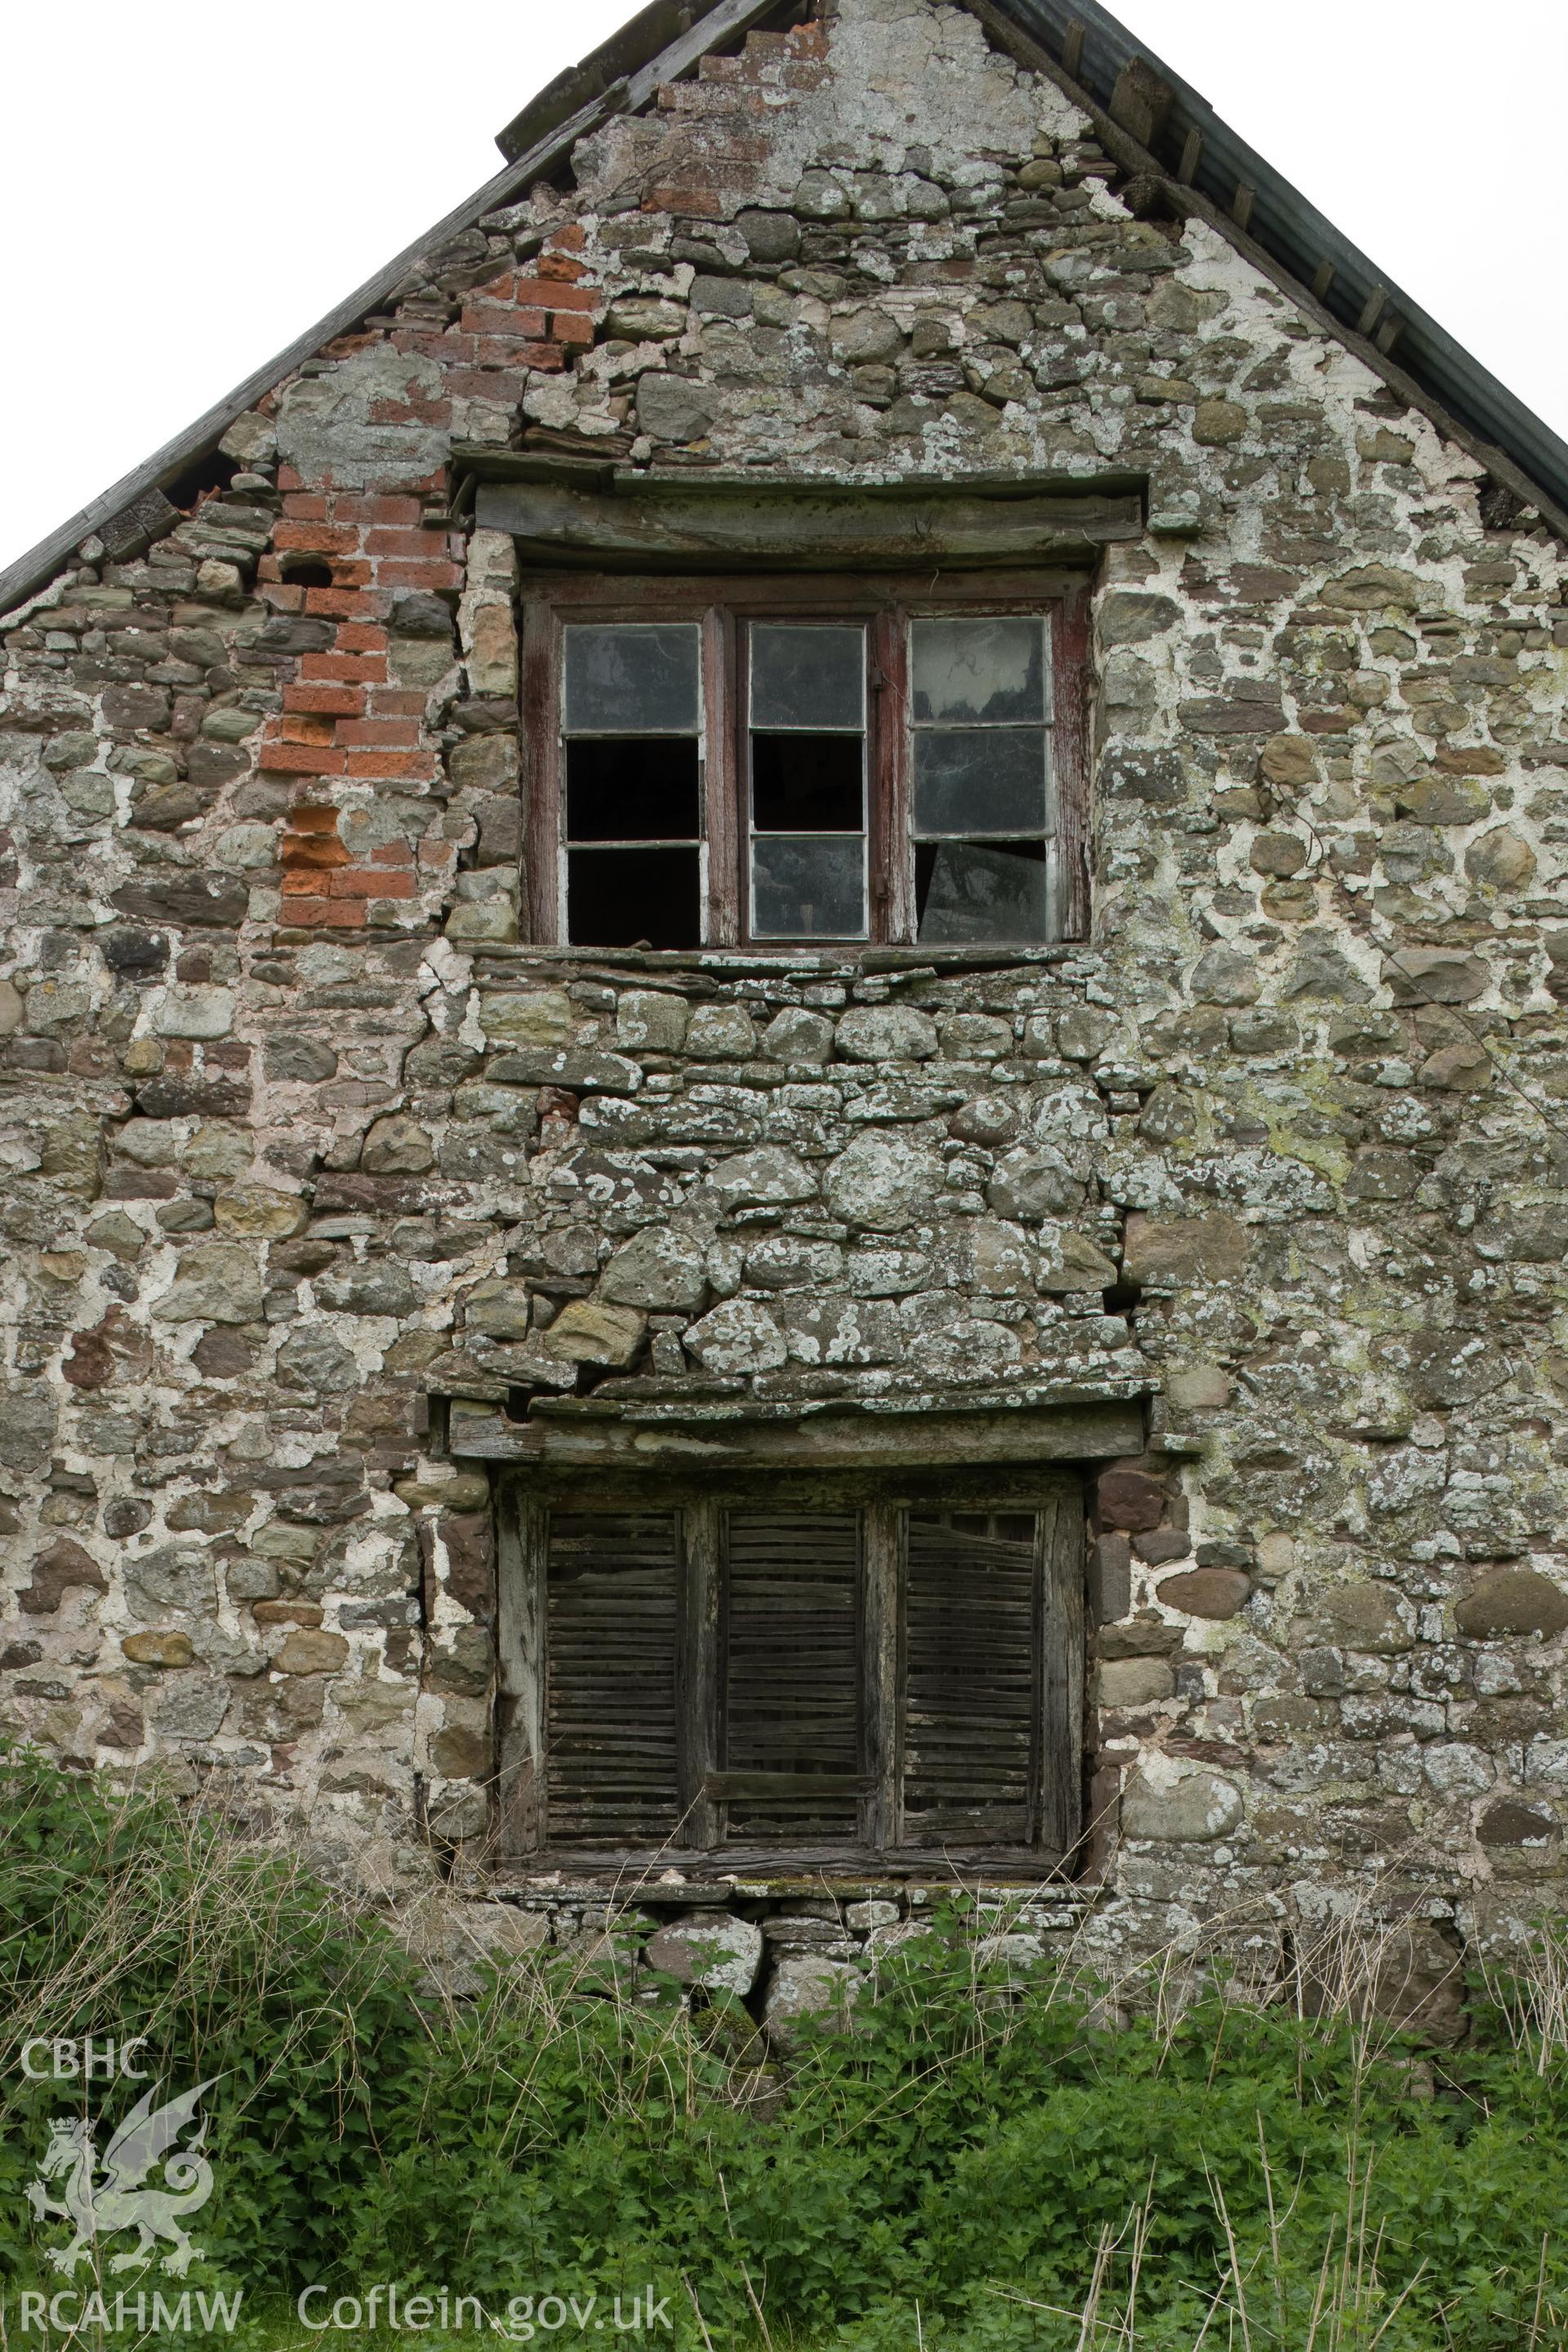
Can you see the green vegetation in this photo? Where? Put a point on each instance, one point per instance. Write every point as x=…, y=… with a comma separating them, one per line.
x=972, y=2166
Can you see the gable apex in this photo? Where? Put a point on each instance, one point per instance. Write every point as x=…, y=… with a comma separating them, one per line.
x=1175, y=156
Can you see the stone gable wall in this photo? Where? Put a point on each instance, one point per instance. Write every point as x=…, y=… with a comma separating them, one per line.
x=296, y=1137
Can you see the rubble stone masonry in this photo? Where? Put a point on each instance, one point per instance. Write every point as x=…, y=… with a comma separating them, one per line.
x=315, y=1177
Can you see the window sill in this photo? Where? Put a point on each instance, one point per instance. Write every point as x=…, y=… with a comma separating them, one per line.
x=846, y=960
x=760, y=1875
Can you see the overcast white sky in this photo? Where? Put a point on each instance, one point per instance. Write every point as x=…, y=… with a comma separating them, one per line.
x=186, y=184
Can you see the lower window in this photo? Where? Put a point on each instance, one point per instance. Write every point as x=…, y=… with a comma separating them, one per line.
x=733, y=1676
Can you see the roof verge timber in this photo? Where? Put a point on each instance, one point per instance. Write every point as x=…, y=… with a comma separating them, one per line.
x=720, y=20
x=600, y=76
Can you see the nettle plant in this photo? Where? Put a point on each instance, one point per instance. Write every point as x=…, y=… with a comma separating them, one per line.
x=988, y=2153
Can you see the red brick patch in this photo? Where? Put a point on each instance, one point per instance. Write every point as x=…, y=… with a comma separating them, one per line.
x=302, y=759
x=313, y=538
x=367, y=668
x=341, y=701
x=371, y=882
x=553, y=294
x=391, y=767
x=343, y=913
x=401, y=734
x=311, y=853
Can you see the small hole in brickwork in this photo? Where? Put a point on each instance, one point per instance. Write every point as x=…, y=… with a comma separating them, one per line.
x=305, y=570
x=1499, y=507
x=1122, y=1299
x=200, y=477
x=1150, y=197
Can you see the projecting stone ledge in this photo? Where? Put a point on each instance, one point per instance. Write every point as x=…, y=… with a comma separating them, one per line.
x=789, y=1434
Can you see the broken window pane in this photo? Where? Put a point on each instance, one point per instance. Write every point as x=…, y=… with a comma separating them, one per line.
x=629, y=790
x=981, y=779
x=632, y=678
x=970, y=892
x=805, y=675
x=617, y=898
x=990, y=672
x=808, y=783
x=808, y=888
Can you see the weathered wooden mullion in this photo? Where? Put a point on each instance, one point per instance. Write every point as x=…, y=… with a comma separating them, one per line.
x=1062, y=1654
x=881, y=1580
x=1069, y=758
x=1039, y=1672
x=519, y=1643
x=540, y=759
x=891, y=844
x=723, y=815
x=698, y=1678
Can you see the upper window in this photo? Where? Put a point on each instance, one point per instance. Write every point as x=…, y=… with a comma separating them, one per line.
x=788, y=769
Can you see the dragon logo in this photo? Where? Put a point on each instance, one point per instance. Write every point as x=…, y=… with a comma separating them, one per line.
x=97, y=2206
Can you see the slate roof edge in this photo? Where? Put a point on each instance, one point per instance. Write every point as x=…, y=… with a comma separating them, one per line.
x=1108, y=71
x=643, y=69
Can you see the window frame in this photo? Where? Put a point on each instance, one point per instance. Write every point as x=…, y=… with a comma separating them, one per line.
x=699, y=1845
x=724, y=604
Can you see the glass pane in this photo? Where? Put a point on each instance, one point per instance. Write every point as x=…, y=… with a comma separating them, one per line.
x=632, y=678
x=985, y=779
x=621, y=898
x=621, y=789
x=808, y=783
x=969, y=892
x=809, y=889
x=987, y=671
x=807, y=676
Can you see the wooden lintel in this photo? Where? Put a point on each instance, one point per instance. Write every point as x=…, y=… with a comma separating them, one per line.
x=1078, y=1431
x=802, y=528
